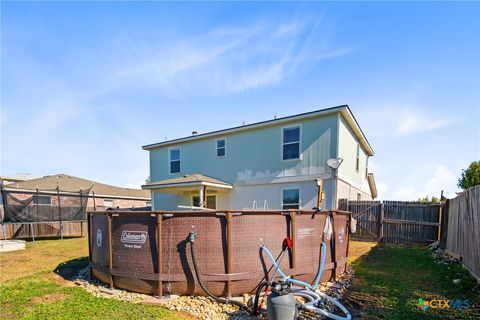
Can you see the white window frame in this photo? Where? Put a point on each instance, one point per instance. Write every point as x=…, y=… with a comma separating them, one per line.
x=299, y=197
x=170, y=160
x=300, y=135
x=35, y=202
x=205, y=204
x=109, y=200
x=216, y=148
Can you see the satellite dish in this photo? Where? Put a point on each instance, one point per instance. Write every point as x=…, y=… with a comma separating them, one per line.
x=334, y=163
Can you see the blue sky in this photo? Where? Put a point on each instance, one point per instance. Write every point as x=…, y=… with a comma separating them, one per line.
x=84, y=85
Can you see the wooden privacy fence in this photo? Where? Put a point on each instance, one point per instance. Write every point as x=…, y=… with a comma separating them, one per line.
x=394, y=221
x=463, y=228
x=43, y=230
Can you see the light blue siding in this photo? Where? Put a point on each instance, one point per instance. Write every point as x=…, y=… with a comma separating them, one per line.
x=253, y=155
x=348, y=151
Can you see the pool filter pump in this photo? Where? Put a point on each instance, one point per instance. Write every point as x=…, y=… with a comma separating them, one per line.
x=281, y=303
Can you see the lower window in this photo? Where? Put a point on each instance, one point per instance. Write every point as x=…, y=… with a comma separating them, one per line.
x=211, y=202
x=291, y=198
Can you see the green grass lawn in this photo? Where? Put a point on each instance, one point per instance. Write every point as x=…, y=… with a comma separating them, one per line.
x=30, y=290
x=390, y=279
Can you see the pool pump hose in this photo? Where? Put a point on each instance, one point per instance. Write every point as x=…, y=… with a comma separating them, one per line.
x=191, y=238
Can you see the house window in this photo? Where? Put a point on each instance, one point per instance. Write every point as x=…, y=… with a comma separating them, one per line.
x=291, y=198
x=42, y=200
x=108, y=203
x=211, y=202
x=359, y=197
x=174, y=155
x=357, y=164
x=221, y=148
x=291, y=143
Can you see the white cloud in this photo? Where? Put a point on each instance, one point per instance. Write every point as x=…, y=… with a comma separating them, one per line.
x=426, y=180
x=405, y=193
x=382, y=189
x=227, y=60
x=416, y=121
x=442, y=179
x=134, y=185
x=396, y=119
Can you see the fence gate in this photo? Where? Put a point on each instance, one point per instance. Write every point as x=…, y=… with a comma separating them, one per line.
x=367, y=214
x=394, y=221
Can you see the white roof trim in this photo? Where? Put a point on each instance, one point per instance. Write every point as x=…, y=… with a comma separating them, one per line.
x=372, y=185
x=186, y=184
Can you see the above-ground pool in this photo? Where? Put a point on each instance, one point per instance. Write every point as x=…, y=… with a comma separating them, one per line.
x=125, y=248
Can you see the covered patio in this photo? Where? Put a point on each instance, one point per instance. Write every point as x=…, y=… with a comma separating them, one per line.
x=201, y=190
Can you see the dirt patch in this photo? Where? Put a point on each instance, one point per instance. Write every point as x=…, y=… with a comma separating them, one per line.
x=57, y=279
x=358, y=249
x=50, y=298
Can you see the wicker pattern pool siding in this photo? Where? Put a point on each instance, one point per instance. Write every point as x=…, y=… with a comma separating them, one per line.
x=227, y=248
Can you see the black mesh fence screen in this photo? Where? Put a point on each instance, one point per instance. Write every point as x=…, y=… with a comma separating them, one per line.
x=21, y=206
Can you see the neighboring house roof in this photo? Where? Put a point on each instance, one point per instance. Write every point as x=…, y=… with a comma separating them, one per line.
x=188, y=180
x=18, y=177
x=344, y=110
x=68, y=183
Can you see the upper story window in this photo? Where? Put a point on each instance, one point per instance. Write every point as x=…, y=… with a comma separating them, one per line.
x=357, y=163
x=42, y=200
x=291, y=143
x=221, y=148
x=291, y=198
x=174, y=155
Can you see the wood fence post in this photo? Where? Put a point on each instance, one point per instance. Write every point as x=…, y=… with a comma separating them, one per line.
x=90, y=239
x=439, y=222
x=229, y=265
x=293, y=233
x=380, y=227
x=159, y=253
x=94, y=203
x=59, y=212
x=349, y=222
x=333, y=246
x=110, y=254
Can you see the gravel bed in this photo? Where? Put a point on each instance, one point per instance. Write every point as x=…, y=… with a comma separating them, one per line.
x=201, y=307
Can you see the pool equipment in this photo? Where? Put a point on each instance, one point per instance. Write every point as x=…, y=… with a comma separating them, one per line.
x=280, y=306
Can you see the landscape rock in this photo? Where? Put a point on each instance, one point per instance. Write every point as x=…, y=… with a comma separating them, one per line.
x=203, y=307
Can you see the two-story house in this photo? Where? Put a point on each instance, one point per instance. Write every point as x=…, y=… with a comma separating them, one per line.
x=273, y=164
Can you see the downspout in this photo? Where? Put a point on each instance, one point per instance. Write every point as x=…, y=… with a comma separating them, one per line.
x=335, y=183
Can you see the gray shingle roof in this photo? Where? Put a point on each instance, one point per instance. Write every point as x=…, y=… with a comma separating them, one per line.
x=74, y=184
x=191, y=178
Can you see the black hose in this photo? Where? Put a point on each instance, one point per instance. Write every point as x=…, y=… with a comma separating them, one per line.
x=191, y=239
x=260, y=287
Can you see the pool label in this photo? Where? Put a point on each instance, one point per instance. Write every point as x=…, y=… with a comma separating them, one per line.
x=99, y=238
x=133, y=239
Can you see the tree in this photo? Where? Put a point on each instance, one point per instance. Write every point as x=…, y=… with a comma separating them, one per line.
x=470, y=177
x=426, y=199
